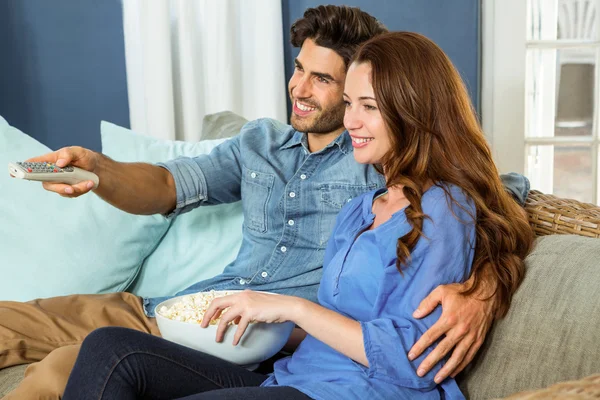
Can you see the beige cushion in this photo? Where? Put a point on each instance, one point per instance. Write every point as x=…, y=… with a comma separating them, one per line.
x=552, y=331
x=221, y=125
x=10, y=378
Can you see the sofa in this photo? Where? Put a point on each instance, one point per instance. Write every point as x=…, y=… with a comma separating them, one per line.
x=547, y=346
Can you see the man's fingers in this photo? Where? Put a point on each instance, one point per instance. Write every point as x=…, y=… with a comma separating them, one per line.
x=458, y=356
x=49, y=158
x=468, y=358
x=68, y=190
x=60, y=188
x=83, y=187
x=435, y=356
x=428, y=338
x=429, y=303
x=61, y=157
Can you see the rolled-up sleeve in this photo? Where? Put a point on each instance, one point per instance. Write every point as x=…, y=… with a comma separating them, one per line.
x=443, y=256
x=208, y=179
x=517, y=185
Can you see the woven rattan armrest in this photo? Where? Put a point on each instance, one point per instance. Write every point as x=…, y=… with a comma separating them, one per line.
x=549, y=215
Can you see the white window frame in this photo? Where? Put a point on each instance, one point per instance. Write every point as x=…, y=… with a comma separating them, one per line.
x=503, y=85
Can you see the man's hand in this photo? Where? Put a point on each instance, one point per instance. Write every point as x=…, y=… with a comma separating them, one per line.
x=465, y=322
x=76, y=156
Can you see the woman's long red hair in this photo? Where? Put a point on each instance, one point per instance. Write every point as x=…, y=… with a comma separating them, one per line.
x=436, y=137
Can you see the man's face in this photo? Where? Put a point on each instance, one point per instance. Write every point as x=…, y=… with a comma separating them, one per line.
x=316, y=90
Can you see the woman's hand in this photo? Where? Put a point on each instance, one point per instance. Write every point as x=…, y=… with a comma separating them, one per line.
x=246, y=307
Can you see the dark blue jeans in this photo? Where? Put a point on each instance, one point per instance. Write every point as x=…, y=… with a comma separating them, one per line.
x=118, y=363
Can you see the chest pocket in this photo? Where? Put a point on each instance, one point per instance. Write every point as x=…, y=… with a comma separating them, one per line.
x=334, y=196
x=256, y=191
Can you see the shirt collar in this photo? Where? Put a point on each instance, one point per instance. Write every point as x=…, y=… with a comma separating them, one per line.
x=343, y=141
x=295, y=140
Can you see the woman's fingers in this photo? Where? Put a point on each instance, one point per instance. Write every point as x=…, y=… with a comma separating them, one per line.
x=226, y=318
x=241, y=329
x=231, y=310
x=210, y=312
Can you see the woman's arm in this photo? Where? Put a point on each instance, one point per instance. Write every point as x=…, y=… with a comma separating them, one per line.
x=340, y=332
x=335, y=330
x=297, y=336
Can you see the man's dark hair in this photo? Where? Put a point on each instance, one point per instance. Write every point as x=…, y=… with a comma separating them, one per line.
x=339, y=28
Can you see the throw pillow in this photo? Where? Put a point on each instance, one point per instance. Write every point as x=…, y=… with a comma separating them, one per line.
x=550, y=334
x=199, y=243
x=53, y=246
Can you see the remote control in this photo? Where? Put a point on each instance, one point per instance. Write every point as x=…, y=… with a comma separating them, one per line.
x=49, y=172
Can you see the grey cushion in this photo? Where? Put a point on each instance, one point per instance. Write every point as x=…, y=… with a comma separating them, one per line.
x=552, y=331
x=10, y=378
x=221, y=125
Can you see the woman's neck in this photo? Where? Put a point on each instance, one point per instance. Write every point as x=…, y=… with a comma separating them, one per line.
x=395, y=194
x=388, y=203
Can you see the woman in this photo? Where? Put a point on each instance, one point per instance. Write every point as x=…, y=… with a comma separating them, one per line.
x=443, y=216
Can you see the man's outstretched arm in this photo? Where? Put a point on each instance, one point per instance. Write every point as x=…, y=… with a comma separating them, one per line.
x=465, y=321
x=137, y=188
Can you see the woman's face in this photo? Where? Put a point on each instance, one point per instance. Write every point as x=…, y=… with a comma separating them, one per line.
x=370, y=136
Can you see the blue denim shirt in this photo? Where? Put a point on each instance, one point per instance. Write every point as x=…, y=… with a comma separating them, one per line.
x=291, y=198
x=361, y=281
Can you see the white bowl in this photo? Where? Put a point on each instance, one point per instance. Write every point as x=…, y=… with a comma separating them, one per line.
x=260, y=342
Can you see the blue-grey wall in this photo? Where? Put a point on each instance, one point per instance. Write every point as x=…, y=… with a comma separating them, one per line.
x=452, y=24
x=62, y=69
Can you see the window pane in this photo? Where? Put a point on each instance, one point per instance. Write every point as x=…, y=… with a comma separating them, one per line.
x=565, y=171
x=542, y=19
x=560, y=88
x=562, y=19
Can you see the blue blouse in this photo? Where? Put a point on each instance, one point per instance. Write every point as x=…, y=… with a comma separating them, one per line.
x=360, y=281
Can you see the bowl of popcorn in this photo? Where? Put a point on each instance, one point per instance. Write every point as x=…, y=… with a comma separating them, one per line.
x=179, y=321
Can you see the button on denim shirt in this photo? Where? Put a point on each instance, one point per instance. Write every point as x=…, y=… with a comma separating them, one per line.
x=290, y=199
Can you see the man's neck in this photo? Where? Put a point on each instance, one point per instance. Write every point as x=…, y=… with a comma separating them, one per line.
x=318, y=141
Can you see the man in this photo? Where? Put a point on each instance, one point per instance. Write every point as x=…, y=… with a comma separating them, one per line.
x=292, y=180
